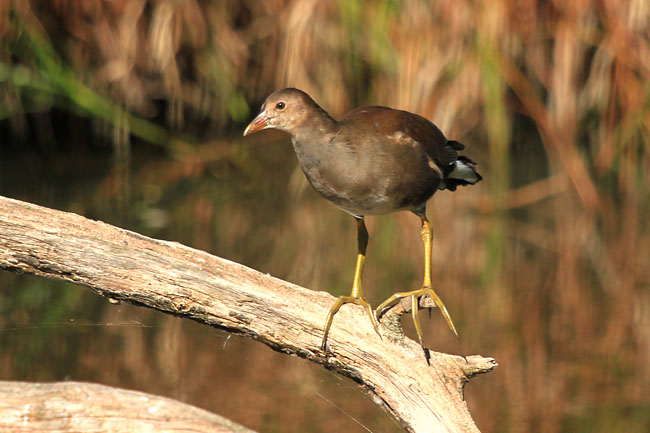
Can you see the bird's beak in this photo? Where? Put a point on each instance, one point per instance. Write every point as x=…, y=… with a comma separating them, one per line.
x=259, y=123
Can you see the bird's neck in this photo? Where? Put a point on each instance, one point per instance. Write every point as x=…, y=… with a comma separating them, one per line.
x=315, y=144
x=315, y=134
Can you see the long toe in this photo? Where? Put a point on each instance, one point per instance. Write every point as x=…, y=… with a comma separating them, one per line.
x=415, y=296
x=342, y=300
x=391, y=301
x=436, y=299
x=372, y=315
x=330, y=316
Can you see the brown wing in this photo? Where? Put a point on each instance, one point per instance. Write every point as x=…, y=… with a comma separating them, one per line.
x=390, y=123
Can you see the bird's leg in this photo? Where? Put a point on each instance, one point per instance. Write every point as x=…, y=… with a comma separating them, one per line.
x=356, y=295
x=427, y=289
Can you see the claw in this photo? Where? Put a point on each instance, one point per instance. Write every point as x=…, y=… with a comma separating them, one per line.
x=429, y=291
x=373, y=318
x=415, y=296
x=337, y=306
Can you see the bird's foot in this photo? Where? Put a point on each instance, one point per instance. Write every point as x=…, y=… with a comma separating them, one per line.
x=415, y=296
x=338, y=304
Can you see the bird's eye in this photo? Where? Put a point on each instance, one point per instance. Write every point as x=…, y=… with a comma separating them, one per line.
x=280, y=106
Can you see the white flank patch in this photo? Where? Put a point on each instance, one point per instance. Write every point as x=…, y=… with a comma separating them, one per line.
x=463, y=171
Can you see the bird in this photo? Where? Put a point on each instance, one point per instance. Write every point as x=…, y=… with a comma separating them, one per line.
x=373, y=161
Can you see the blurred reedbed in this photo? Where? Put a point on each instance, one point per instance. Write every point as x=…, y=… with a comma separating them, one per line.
x=545, y=263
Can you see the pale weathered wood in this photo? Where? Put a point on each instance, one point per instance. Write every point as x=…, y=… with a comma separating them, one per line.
x=173, y=278
x=88, y=407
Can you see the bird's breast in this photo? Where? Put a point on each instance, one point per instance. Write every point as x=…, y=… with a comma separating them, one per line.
x=366, y=182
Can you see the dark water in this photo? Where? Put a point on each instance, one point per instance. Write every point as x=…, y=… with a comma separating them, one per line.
x=572, y=355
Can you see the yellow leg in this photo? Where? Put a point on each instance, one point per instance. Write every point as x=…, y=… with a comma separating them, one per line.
x=427, y=289
x=356, y=295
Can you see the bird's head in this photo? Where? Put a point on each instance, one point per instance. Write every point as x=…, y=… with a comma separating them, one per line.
x=286, y=110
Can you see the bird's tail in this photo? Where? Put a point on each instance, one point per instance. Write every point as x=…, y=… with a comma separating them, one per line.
x=463, y=172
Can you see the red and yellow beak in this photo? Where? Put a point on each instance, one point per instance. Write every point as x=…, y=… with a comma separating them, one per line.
x=259, y=123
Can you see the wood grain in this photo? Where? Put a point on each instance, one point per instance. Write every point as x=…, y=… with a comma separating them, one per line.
x=88, y=407
x=176, y=279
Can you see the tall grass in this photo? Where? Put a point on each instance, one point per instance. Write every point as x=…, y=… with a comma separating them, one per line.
x=545, y=264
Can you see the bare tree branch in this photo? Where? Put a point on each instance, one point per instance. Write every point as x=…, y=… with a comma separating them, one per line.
x=176, y=279
x=88, y=407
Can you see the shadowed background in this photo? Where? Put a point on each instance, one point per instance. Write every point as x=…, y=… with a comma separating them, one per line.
x=131, y=112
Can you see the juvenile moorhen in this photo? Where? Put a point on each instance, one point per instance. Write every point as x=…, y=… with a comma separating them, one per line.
x=373, y=161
